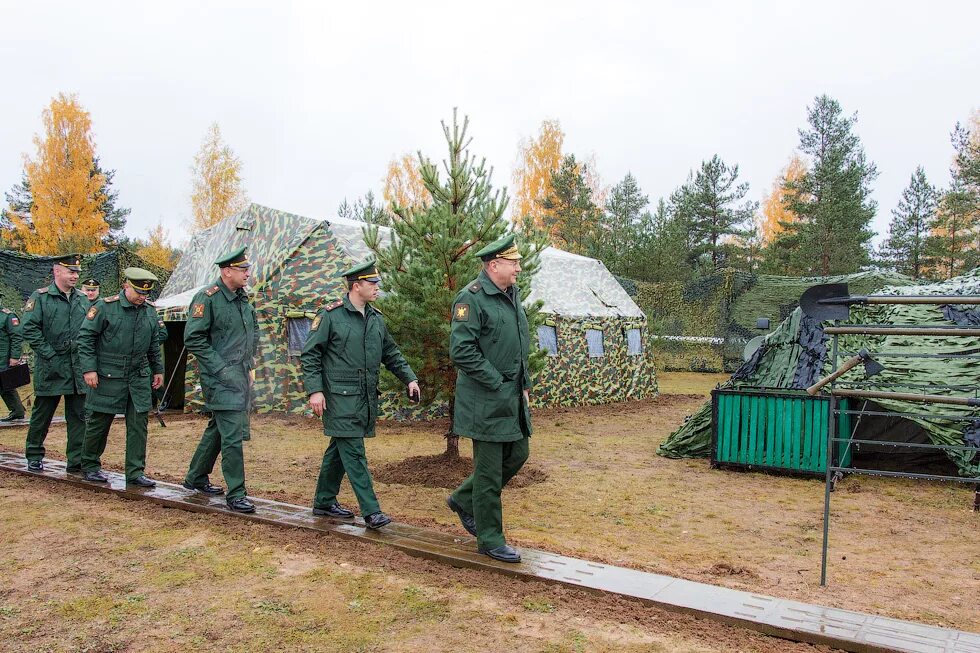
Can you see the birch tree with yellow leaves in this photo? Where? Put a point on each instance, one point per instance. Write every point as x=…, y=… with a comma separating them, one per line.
x=217, y=178
x=65, y=193
x=156, y=248
x=404, y=187
x=538, y=159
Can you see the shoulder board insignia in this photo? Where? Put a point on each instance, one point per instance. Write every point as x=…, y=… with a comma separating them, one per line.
x=210, y=291
x=149, y=303
x=45, y=289
x=474, y=287
x=92, y=312
x=5, y=310
x=377, y=310
x=333, y=305
x=109, y=300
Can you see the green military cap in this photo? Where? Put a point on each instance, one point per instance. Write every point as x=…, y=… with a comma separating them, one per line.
x=236, y=259
x=90, y=284
x=141, y=280
x=366, y=271
x=71, y=261
x=502, y=248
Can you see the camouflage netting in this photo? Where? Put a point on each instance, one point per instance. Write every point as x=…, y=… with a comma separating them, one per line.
x=797, y=353
x=296, y=263
x=21, y=274
x=725, y=306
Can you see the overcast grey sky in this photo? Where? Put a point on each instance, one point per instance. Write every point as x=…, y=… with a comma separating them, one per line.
x=316, y=98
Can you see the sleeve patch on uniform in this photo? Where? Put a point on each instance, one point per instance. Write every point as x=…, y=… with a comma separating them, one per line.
x=316, y=323
x=14, y=320
x=162, y=325
x=91, y=313
x=29, y=306
x=461, y=312
x=197, y=310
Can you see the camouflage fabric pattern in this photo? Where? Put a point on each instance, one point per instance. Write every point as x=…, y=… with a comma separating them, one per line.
x=297, y=260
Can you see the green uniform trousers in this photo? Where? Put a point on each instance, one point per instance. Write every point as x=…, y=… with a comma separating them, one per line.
x=12, y=400
x=223, y=434
x=346, y=455
x=41, y=415
x=97, y=432
x=494, y=464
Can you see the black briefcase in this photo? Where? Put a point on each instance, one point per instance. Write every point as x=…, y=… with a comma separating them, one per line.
x=14, y=377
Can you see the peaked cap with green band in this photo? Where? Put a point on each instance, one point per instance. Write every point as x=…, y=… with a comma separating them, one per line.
x=71, y=261
x=502, y=248
x=141, y=280
x=366, y=271
x=235, y=259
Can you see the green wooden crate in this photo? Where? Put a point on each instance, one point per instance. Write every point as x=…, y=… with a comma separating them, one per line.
x=782, y=430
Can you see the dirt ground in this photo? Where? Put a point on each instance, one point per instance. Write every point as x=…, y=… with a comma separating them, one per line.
x=898, y=548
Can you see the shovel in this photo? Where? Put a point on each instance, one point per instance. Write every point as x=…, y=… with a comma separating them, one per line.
x=871, y=367
x=831, y=301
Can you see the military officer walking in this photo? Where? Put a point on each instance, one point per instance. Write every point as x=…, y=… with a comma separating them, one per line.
x=11, y=349
x=52, y=318
x=347, y=345
x=489, y=347
x=119, y=355
x=91, y=288
x=222, y=333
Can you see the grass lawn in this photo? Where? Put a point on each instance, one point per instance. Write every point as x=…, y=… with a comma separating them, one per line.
x=899, y=548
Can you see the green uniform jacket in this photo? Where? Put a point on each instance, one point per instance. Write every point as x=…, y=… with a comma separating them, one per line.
x=488, y=344
x=50, y=326
x=342, y=359
x=223, y=334
x=11, y=340
x=120, y=341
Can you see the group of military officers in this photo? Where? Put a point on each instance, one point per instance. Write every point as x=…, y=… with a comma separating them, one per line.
x=104, y=358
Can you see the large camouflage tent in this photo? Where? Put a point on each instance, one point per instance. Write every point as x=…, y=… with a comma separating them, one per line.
x=798, y=353
x=296, y=262
x=21, y=274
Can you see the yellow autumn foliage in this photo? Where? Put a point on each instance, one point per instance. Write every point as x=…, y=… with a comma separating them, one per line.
x=403, y=184
x=537, y=160
x=65, y=216
x=217, y=178
x=774, y=205
x=156, y=248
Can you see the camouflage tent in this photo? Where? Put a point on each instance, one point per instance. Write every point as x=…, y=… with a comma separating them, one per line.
x=797, y=353
x=21, y=274
x=594, y=330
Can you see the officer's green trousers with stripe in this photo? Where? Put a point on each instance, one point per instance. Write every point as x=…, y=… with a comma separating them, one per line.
x=223, y=435
x=494, y=464
x=97, y=432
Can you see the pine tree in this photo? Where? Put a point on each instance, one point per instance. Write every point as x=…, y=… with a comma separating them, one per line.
x=665, y=245
x=115, y=216
x=430, y=258
x=623, y=224
x=904, y=248
x=571, y=217
x=365, y=209
x=708, y=205
x=833, y=198
x=951, y=244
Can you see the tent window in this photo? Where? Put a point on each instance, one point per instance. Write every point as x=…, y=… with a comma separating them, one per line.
x=634, y=345
x=594, y=338
x=548, y=339
x=298, y=329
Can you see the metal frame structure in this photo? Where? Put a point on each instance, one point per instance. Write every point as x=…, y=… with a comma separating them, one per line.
x=833, y=472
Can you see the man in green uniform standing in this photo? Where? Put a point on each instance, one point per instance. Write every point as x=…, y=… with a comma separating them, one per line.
x=11, y=349
x=347, y=345
x=52, y=318
x=91, y=288
x=222, y=333
x=119, y=355
x=489, y=347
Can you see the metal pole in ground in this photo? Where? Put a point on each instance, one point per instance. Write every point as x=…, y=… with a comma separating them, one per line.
x=831, y=435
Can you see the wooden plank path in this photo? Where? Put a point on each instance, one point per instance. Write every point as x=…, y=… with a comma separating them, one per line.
x=793, y=620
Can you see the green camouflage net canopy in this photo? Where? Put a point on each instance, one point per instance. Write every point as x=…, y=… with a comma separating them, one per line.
x=797, y=353
x=724, y=307
x=21, y=274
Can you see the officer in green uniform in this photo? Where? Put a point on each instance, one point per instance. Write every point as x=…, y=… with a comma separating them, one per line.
x=91, y=288
x=119, y=354
x=11, y=349
x=222, y=334
x=489, y=346
x=341, y=361
x=52, y=318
